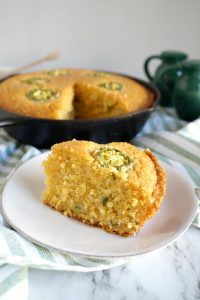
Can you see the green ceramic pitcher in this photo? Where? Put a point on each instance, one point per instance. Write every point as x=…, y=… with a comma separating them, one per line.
x=168, y=59
x=186, y=89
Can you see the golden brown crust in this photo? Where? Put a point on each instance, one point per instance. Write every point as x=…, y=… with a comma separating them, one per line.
x=160, y=187
x=87, y=90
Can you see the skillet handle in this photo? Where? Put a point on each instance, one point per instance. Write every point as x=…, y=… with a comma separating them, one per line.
x=12, y=121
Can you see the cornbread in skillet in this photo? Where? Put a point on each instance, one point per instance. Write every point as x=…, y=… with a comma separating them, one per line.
x=73, y=93
x=114, y=186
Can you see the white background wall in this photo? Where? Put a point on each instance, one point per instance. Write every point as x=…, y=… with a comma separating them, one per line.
x=104, y=34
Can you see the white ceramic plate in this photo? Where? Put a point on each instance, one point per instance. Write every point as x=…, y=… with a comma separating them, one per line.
x=23, y=209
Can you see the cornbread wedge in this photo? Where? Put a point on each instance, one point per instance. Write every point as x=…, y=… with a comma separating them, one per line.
x=114, y=186
x=73, y=93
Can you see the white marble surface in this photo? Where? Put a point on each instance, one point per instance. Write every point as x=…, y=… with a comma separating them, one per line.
x=170, y=273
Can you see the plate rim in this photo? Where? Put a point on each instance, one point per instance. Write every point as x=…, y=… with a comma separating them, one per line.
x=122, y=256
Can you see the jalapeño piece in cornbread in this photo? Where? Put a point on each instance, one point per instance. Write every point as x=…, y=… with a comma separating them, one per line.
x=115, y=186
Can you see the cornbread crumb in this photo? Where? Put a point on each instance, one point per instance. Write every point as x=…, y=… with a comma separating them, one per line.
x=81, y=185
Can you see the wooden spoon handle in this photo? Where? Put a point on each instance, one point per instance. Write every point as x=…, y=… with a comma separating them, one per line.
x=50, y=56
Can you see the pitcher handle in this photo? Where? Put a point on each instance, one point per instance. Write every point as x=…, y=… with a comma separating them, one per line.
x=146, y=65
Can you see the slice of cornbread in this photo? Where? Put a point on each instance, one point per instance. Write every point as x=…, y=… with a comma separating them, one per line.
x=115, y=186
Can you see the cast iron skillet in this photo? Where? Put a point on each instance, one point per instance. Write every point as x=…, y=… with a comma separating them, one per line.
x=43, y=133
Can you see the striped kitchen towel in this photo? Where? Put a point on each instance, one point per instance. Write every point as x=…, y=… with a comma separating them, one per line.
x=172, y=140
x=175, y=143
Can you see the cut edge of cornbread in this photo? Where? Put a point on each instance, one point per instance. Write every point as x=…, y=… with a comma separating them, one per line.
x=158, y=195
